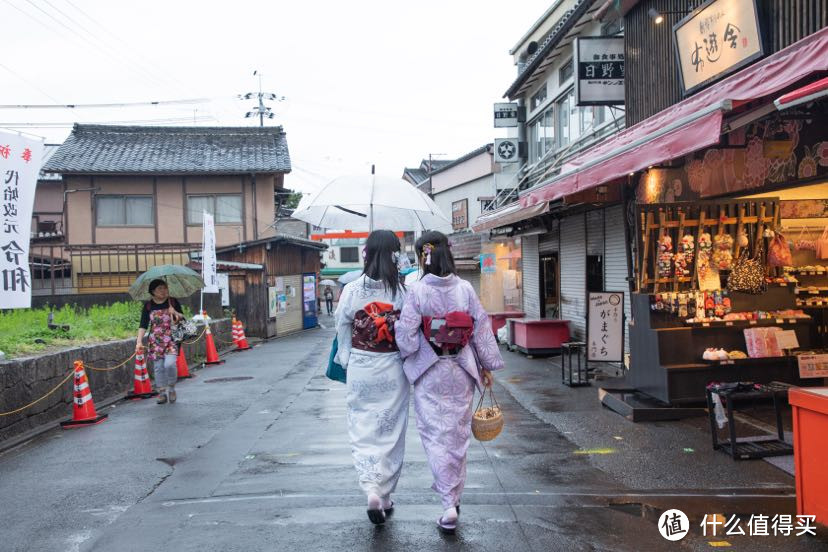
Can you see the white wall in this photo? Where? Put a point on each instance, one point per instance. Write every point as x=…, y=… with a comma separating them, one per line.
x=482, y=187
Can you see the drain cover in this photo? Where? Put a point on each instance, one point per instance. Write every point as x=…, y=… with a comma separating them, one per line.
x=224, y=380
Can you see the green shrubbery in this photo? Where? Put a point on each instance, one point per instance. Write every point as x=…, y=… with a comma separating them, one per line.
x=25, y=331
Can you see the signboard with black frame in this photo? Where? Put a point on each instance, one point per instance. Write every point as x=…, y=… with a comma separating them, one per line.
x=599, y=78
x=605, y=326
x=715, y=40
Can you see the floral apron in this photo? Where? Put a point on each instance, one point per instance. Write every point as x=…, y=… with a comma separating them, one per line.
x=160, y=335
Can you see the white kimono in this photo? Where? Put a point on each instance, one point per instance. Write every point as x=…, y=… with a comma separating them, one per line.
x=377, y=390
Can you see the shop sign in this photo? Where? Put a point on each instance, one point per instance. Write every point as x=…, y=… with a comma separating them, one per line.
x=272, y=302
x=223, y=280
x=813, y=366
x=718, y=38
x=600, y=70
x=506, y=150
x=605, y=326
x=507, y=115
x=460, y=214
x=488, y=264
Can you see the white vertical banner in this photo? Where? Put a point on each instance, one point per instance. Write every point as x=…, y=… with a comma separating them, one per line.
x=208, y=256
x=20, y=160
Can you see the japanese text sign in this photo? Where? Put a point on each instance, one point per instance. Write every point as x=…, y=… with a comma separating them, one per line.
x=488, y=264
x=605, y=329
x=460, y=214
x=718, y=38
x=600, y=70
x=813, y=366
x=208, y=255
x=19, y=166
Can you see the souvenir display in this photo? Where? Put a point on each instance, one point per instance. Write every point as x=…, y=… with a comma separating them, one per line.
x=779, y=253
x=665, y=256
x=723, y=252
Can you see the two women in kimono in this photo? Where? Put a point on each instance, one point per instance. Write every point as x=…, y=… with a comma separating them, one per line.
x=435, y=335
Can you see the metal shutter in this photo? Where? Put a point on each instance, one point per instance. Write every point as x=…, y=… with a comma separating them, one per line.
x=472, y=277
x=548, y=243
x=573, y=274
x=530, y=264
x=595, y=232
x=615, y=262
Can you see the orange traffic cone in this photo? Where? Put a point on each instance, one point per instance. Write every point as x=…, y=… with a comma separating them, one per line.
x=212, y=355
x=142, y=388
x=181, y=364
x=83, y=407
x=238, y=336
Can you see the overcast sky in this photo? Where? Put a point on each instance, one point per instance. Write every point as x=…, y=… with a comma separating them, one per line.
x=383, y=82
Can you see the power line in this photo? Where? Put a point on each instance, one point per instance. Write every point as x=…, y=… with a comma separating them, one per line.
x=62, y=124
x=22, y=78
x=114, y=104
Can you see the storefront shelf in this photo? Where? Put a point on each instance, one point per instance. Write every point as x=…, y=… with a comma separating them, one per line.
x=718, y=324
x=809, y=290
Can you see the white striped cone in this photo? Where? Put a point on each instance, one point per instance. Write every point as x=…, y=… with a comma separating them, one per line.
x=83, y=407
x=141, y=387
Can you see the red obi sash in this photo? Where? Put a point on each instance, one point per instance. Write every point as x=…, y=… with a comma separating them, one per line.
x=450, y=334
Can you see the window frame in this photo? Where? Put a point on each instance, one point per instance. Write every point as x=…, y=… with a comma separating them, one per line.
x=535, y=101
x=213, y=212
x=123, y=198
x=342, y=248
x=570, y=65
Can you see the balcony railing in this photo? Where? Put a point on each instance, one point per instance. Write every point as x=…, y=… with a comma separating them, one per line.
x=60, y=269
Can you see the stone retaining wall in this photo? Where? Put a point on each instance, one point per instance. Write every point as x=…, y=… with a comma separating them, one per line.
x=26, y=379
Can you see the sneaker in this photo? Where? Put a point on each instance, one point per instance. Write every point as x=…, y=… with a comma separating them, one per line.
x=162, y=398
x=172, y=395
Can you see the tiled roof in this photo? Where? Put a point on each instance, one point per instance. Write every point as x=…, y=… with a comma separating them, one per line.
x=48, y=151
x=417, y=175
x=558, y=32
x=100, y=149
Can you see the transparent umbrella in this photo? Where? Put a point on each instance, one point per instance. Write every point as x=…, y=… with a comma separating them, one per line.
x=181, y=281
x=371, y=202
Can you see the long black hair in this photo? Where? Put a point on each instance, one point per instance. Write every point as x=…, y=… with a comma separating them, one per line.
x=381, y=250
x=434, y=254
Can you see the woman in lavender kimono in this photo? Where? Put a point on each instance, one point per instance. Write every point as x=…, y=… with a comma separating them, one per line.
x=448, y=347
x=377, y=388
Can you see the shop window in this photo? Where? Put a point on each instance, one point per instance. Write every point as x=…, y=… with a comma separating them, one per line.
x=111, y=210
x=542, y=134
x=538, y=98
x=349, y=254
x=595, y=272
x=226, y=208
x=565, y=72
x=565, y=107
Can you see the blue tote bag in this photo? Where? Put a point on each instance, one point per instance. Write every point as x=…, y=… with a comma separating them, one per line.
x=335, y=371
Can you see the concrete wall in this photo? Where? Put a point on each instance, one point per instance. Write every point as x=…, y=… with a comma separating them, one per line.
x=212, y=301
x=471, y=190
x=169, y=203
x=26, y=379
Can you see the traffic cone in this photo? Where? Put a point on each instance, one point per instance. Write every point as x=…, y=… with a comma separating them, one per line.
x=238, y=336
x=181, y=364
x=212, y=355
x=83, y=407
x=142, y=388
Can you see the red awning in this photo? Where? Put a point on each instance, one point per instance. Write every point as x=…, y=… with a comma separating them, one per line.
x=809, y=93
x=687, y=126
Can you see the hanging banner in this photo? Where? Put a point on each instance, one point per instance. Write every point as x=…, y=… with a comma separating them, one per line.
x=208, y=256
x=488, y=264
x=600, y=71
x=605, y=326
x=20, y=159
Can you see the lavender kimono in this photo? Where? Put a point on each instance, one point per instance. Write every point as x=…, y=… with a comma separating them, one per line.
x=444, y=385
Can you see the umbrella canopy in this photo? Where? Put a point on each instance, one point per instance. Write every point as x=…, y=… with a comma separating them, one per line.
x=181, y=281
x=349, y=277
x=371, y=202
x=327, y=283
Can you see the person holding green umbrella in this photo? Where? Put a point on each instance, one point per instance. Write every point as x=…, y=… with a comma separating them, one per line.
x=158, y=316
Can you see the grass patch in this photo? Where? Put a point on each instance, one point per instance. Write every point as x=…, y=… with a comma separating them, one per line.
x=25, y=331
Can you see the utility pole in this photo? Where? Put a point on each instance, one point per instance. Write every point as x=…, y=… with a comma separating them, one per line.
x=430, y=168
x=261, y=111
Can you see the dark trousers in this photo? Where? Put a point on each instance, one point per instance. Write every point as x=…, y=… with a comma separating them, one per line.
x=329, y=305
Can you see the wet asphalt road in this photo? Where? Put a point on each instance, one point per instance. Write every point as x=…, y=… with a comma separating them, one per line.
x=263, y=464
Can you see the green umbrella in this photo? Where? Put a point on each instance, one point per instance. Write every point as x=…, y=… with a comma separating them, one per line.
x=181, y=281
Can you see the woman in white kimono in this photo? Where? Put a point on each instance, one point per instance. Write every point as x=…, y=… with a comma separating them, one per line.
x=377, y=387
x=446, y=339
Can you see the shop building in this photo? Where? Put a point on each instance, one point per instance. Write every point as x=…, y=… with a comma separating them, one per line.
x=573, y=243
